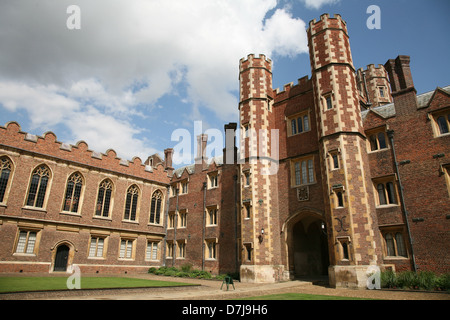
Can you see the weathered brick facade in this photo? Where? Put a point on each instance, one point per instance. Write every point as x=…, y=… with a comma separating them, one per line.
x=360, y=176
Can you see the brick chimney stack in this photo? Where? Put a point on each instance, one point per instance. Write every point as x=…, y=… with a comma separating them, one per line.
x=202, y=141
x=402, y=85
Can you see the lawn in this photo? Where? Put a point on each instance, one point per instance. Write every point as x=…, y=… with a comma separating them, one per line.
x=301, y=296
x=16, y=284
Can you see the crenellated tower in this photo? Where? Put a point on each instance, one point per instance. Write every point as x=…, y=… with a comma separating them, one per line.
x=348, y=192
x=373, y=85
x=260, y=242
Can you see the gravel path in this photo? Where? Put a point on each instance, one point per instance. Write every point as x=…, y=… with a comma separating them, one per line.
x=210, y=290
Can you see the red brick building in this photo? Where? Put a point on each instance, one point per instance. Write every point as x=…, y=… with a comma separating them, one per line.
x=341, y=171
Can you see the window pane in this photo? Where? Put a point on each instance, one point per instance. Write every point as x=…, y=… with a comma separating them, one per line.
x=304, y=173
x=41, y=193
x=123, y=244
x=69, y=194
x=391, y=193
x=294, y=126
x=134, y=207
x=100, y=197
x=300, y=124
x=297, y=174
x=127, y=206
x=22, y=241
x=31, y=242
x=152, y=210
x=340, y=199
x=310, y=171
x=76, y=197
x=4, y=177
x=443, y=126
x=381, y=194
x=92, y=247
x=100, y=247
x=158, y=211
x=329, y=103
x=382, y=140
x=305, y=123
x=107, y=203
x=33, y=189
x=390, y=245
x=401, y=250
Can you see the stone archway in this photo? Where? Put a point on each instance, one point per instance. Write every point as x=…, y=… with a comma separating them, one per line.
x=307, y=245
x=62, y=257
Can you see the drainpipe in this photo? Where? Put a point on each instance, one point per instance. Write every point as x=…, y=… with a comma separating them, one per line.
x=166, y=214
x=175, y=231
x=390, y=134
x=203, y=225
x=235, y=177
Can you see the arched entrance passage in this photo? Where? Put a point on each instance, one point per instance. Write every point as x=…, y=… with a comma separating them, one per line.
x=307, y=245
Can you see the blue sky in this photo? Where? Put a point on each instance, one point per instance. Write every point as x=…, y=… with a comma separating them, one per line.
x=138, y=70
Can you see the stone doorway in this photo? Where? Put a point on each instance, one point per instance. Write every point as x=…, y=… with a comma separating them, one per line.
x=307, y=247
x=61, y=258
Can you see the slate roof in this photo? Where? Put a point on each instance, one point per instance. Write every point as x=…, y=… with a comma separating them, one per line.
x=388, y=110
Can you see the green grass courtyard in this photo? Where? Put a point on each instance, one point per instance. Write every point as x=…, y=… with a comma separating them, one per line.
x=26, y=284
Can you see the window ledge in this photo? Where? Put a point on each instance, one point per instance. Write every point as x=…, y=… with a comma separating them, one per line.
x=395, y=258
x=102, y=218
x=387, y=206
x=43, y=210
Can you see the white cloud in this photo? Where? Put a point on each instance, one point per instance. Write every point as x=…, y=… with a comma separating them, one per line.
x=130, y=54
x=317, y=4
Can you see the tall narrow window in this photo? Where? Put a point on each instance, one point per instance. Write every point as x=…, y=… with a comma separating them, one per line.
x=155, y=208
x=211, y=247
x=294, y=126
x=73, y=193
x=378, y=141
x=329, y=102
x=298, y=172
x=131, y=203
x=302, y=171
x=443, y=124
x=212, y=217
x=386, y=193
x=305, y=123
x=38, y=186
x=5, y=172
x=104, y=198
x=181, y=249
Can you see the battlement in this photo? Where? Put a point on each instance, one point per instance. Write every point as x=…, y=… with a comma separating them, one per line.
x=303, y=84
x=253, y=61
x=47, y=145
x=326, y=22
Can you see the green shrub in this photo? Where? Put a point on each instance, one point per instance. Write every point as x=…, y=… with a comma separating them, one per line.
x=426, y=280
x=152, y=270
x=443, y=282
x=186, y=267
x=408, y=279
x=388, y=279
